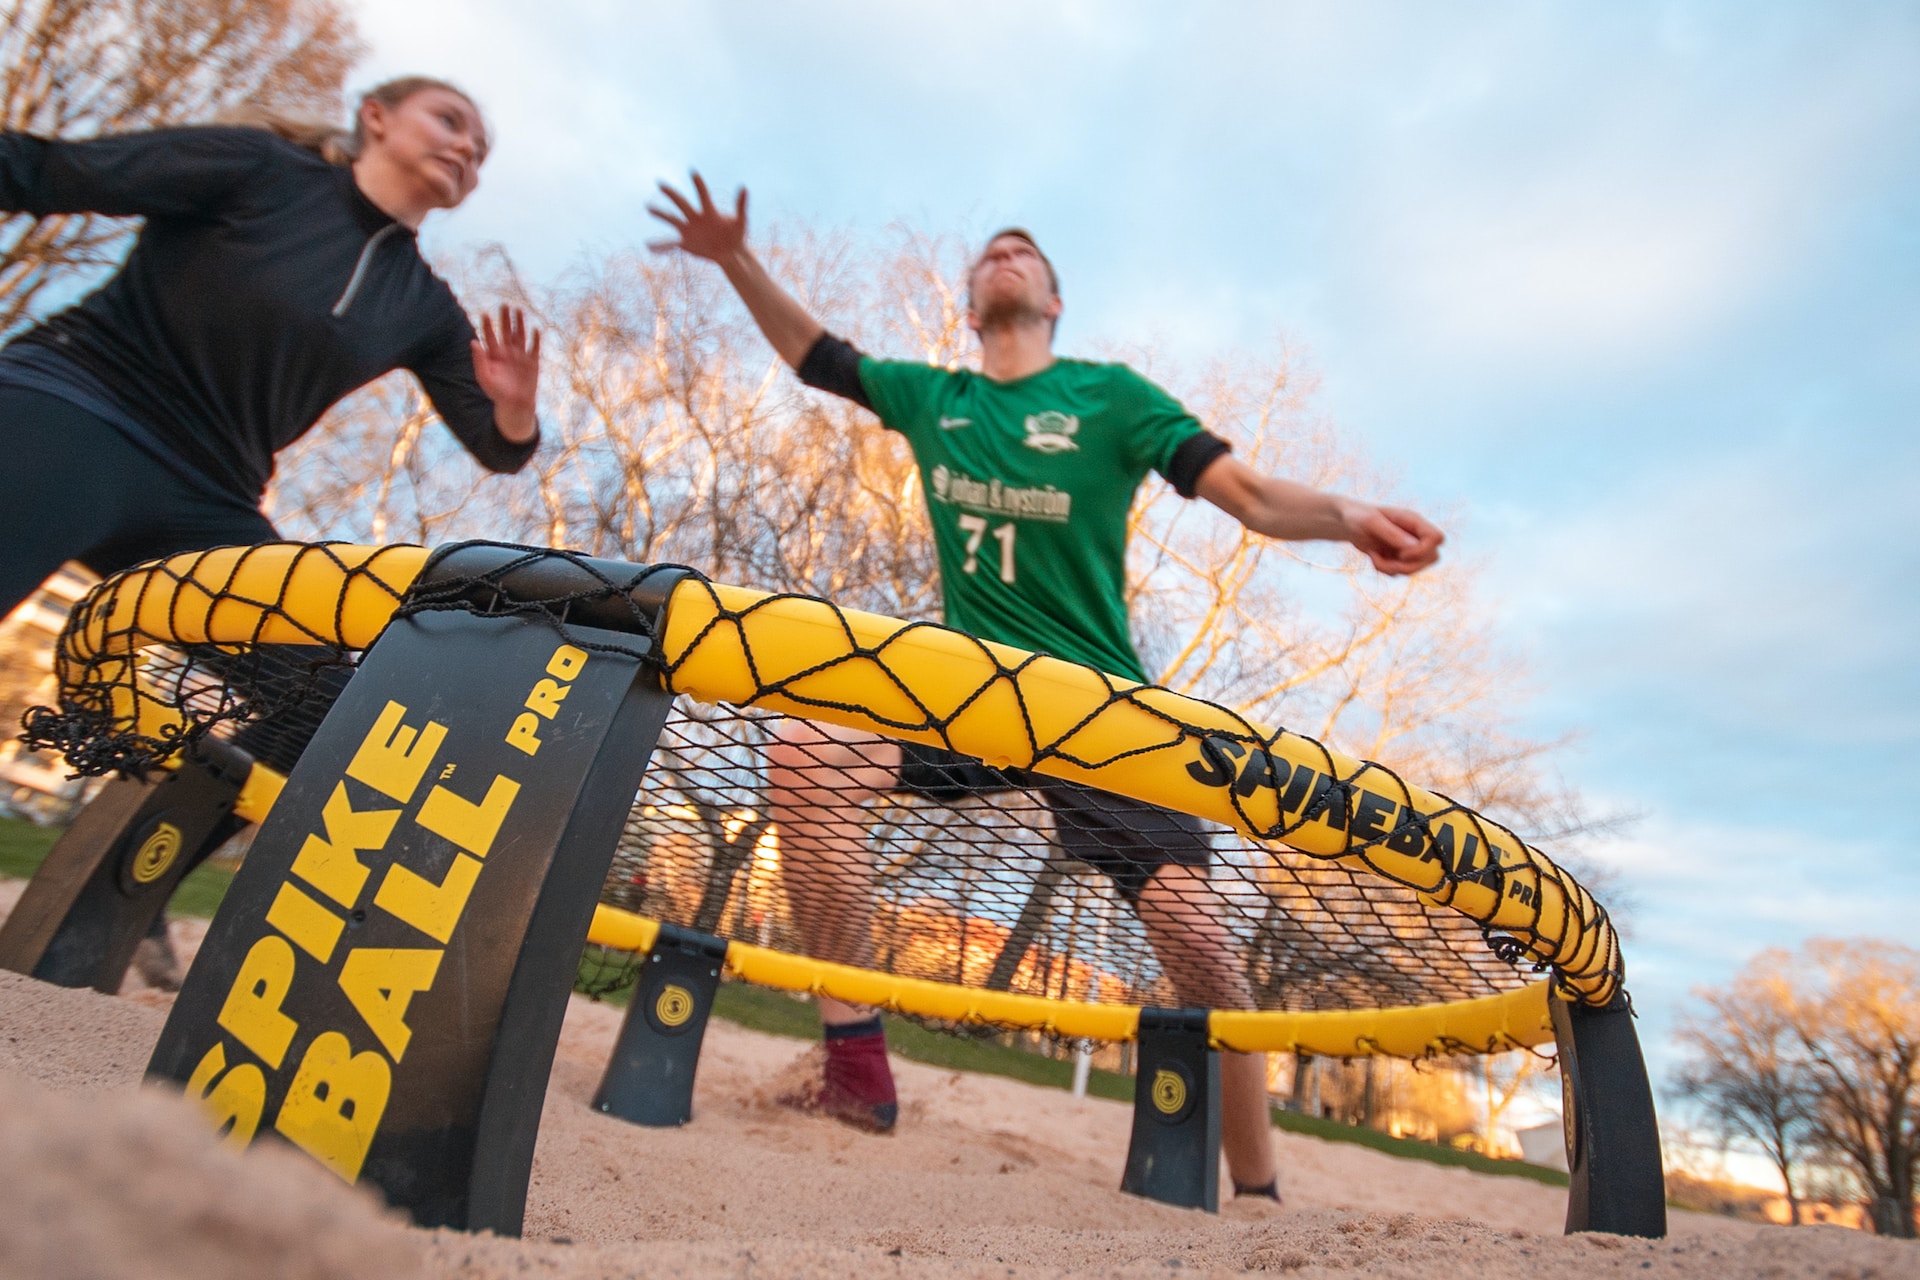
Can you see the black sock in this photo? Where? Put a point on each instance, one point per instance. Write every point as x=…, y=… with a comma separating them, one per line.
x=1271, y=1191
x=851, y=1030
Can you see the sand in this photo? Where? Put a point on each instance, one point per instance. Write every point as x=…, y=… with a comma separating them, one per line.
x=985, y=1177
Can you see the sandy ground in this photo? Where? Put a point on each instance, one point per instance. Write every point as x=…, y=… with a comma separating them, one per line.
x=985, y=1178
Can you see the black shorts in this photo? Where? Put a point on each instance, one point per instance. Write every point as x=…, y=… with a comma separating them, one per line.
x=1128, y=840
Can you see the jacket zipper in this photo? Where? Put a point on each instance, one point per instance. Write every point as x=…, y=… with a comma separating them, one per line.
x=360, y=268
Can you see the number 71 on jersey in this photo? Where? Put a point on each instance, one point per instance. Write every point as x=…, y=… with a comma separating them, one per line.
x=975, y=528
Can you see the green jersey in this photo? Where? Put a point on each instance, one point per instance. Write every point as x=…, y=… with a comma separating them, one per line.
x=1028, y=485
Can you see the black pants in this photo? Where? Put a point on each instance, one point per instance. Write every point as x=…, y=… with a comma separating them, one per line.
x=74, y=488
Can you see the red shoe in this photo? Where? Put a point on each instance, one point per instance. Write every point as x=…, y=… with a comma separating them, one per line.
x=856, y=1085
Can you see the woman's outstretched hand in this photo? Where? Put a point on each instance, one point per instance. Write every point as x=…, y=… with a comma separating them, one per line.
x=506, y=363
x=704, y=232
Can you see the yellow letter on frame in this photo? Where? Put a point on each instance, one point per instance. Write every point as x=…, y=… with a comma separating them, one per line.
x=393, y=758
x=335, y=1102
x=236, y=1100
x=252, y=1009
x=433, y=909
x=381, y=982
x=469, y=825
x=333, y=865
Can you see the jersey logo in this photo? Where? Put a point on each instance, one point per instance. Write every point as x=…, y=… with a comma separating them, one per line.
x=997, y=498
x=948, y=424
x=1052, y=431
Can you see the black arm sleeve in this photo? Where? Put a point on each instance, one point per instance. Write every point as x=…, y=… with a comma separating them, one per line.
x=1194, y=455
x=160, y=173
x=446, y=374
x=834, y=365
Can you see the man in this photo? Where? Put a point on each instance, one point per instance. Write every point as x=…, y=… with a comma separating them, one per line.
x=1045, y=572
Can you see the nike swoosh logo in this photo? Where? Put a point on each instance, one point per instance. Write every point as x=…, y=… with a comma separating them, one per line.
x=948, y=424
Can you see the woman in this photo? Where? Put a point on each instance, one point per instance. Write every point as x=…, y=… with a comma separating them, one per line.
x=277, y=271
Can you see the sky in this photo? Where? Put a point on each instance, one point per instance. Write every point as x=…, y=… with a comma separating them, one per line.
x=1634, y=289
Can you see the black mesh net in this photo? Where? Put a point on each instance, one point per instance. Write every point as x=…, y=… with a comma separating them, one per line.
x=142, y=678
x=1381, y=913
x=256, y=643
x=979, y=891
x=763, y=827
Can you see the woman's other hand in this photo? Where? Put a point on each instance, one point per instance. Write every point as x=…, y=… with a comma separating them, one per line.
x=506, y=363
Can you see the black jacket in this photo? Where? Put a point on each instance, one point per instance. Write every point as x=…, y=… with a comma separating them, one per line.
x=262, y=288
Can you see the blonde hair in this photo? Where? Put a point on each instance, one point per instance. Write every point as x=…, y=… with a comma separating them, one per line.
x=334, y=143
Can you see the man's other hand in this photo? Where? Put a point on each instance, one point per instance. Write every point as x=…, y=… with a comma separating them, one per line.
x=1398, y=541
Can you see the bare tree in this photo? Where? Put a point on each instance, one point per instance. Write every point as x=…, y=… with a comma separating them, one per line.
x=377, y=472
x=1856, y=1008
x=75, y=68
x=673, y=435
x=1828, y=1037
x=1745, y=1074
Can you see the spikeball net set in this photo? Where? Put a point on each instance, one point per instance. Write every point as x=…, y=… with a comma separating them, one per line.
x=1348, y=911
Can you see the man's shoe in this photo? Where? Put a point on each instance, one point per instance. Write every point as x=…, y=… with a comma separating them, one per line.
x=1269, y=1192
x=855, y=1084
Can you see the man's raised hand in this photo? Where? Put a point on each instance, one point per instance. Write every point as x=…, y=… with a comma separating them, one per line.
x=704, y=232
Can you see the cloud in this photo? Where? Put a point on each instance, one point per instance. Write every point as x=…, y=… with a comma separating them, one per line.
x=1763, y=592
x=1713, y=888
x=1507, y=184
x=1730, y=886
x=1733, y=635
x=1669, y=178
x=583, y=125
